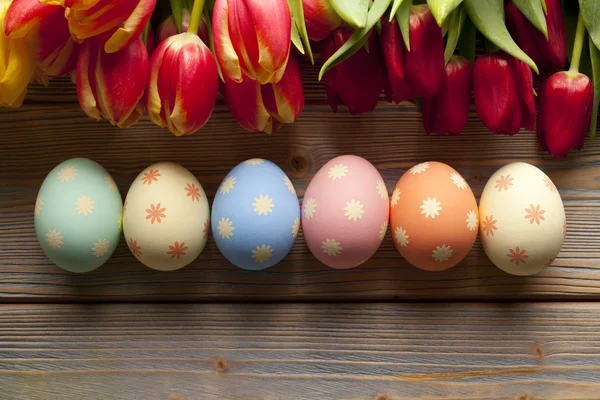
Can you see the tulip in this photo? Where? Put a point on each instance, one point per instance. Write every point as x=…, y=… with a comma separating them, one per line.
x=358, y=81
x=504, y=97
x=183, y=84
x=320, y=18
x=448, y=110
x=125, y=19
x=418, y=72
x=548, y=53
x=149, y=38
x=111, y=85
x=168, y=27
x=252, y=37
x=266, y=107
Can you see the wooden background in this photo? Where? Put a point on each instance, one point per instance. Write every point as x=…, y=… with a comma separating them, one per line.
x=67, y=336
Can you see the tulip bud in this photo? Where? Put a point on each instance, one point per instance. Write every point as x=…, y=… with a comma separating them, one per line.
x=150, y=40
x=448, y=110
x=266, y=107
x=252, y=37
x=358, y=81
x=168, y=27
x=504, y=98
x=547, y=54
x=110, y=85
x=393, y=49
x=320, y=18
x=565, y=112
x=183, y=84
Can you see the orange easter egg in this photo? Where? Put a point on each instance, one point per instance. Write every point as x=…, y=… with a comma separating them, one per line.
x=434, y=216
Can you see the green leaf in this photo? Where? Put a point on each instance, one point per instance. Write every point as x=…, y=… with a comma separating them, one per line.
x=395, y=5
x=595, y=59
x=403, y=18
x=467, y=40
x=534, y=12
x=354, y=12
x=177, y=10
x=456, y=22
x=488, y=17
x=299, y=33
x=590, y=9
x=358, y=38
x=442, y=8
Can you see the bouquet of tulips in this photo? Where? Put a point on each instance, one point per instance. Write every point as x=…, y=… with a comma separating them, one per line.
x=408, y=49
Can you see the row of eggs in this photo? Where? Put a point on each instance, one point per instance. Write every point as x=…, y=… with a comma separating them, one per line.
x=256, y=216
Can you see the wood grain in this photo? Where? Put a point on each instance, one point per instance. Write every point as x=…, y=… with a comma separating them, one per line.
x=312, y=351
x=34, y=138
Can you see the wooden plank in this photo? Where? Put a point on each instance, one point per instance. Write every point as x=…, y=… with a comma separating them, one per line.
x=300, y=351
x=35, y=138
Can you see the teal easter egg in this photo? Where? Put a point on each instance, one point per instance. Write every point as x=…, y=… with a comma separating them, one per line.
x=78, y=215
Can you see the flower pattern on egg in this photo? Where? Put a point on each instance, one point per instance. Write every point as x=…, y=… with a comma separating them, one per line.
x=310, y=208
x=111, y=183
x=338, y=171
x=401, y=236
x=263, y=205
x=225, y=228
x=534, y=214
x=354, y=210
x=472, y=222
x=84, y=205
x=517, y=255
x=193, y=192
x=155, y=213
x=431, y=207
x=100, y=248
x=135, y=248
x=206, y=229
x=488, y=225
x=419, y=168
x=150, y=176
x=254, y=161
x=442, y=253
x=39, y=206
x=288, y=184
x=262, y=253
x=296, y=227
x=550, y=185
x=395, y=197
x=504, y=182
x=383, y=230
x=458, y=180
x=382, y=190
x=177, y=250
x=332, y=247
x=54, y=239
x=67, y=174
x=227, y=185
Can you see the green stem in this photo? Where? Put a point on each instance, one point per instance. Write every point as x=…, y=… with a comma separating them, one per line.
x=177, y=11
x=578, y=44
x=196, y=17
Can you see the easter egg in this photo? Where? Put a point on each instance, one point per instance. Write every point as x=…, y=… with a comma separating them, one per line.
x=523, y=223
x=166, y=217
x=256, y=215
x=78, y=215
x=434, y=216
x=345, y=212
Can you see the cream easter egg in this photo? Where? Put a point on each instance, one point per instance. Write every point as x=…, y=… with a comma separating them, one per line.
x=434, y=216
x=166, y=217
x=523, y=223
x=345, y=212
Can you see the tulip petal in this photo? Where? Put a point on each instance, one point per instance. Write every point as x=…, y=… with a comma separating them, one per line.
x=153, y=99
x=104, y=16
x=85, y=86
x=24, y=15
x=393, y=49
x=525, y=90
x=131, y=27
x=244, y=100
x=284, y=100
x=243, y=36
x=320, y=18
x=224, y=50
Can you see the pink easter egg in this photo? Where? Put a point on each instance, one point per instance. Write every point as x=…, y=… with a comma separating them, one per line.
x=345, y=212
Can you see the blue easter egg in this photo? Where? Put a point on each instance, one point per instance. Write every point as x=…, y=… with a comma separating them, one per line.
x=256, y=215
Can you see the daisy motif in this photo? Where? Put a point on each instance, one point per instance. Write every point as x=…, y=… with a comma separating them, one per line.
x=431, y=208
x=550, y=185
x=401, y=236
x=419, y=168
x=310, y=208
x=296, y=227
x=338, y=171
x=471, y=220
x=534, y=214
x=111, y=183
x=227, y=185
x=504, y=182
x=564, y=228
x=395, y=197
x=67, y=174
x=254, y=161
x=488, y=225
x=193, y=192
x=262, y=253
x=382, y=190
x=150, y=176
x=383, y=230
x=289, y=184
x=39, y=206
x=155, y=213
x=458, y=180
x=125, y=206
x=225, y=228
x=177, y=250
x=263, y=205
x=84, y=205
x=100, y=248
x=135, y=248
x=353, y=210
x=517, y=255
x=54, y=239
x=332, y=247
x=206, y=229
x=442, y=253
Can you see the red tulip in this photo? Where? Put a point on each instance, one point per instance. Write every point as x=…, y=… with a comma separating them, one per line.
x=183, y=84
x=168, y=27
x=358, y=81
x=547, y=54
x=504, y=98
x=266, y=107
x=448, y=110
x=320, y=18
x=418, y=72
x=252, y=37
x=110, y=85
x=565, y=112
